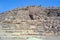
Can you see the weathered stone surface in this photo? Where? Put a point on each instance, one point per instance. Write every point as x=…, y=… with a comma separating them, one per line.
x=18, y=23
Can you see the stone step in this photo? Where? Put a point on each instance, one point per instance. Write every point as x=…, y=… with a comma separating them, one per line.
x=21, y=32
x=19, y=37
x=12, y=38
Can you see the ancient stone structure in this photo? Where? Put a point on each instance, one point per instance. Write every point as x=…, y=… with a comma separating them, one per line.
x=32, y=21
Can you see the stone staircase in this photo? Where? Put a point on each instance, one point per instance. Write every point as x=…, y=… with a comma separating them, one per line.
x=21, y=29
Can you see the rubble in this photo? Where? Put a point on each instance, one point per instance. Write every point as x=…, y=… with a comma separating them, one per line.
x=30, y=21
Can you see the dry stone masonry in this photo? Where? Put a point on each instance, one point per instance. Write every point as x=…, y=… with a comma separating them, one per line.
x=32, y=21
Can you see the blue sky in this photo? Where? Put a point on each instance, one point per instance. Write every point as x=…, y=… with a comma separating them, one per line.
x=11, y=4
